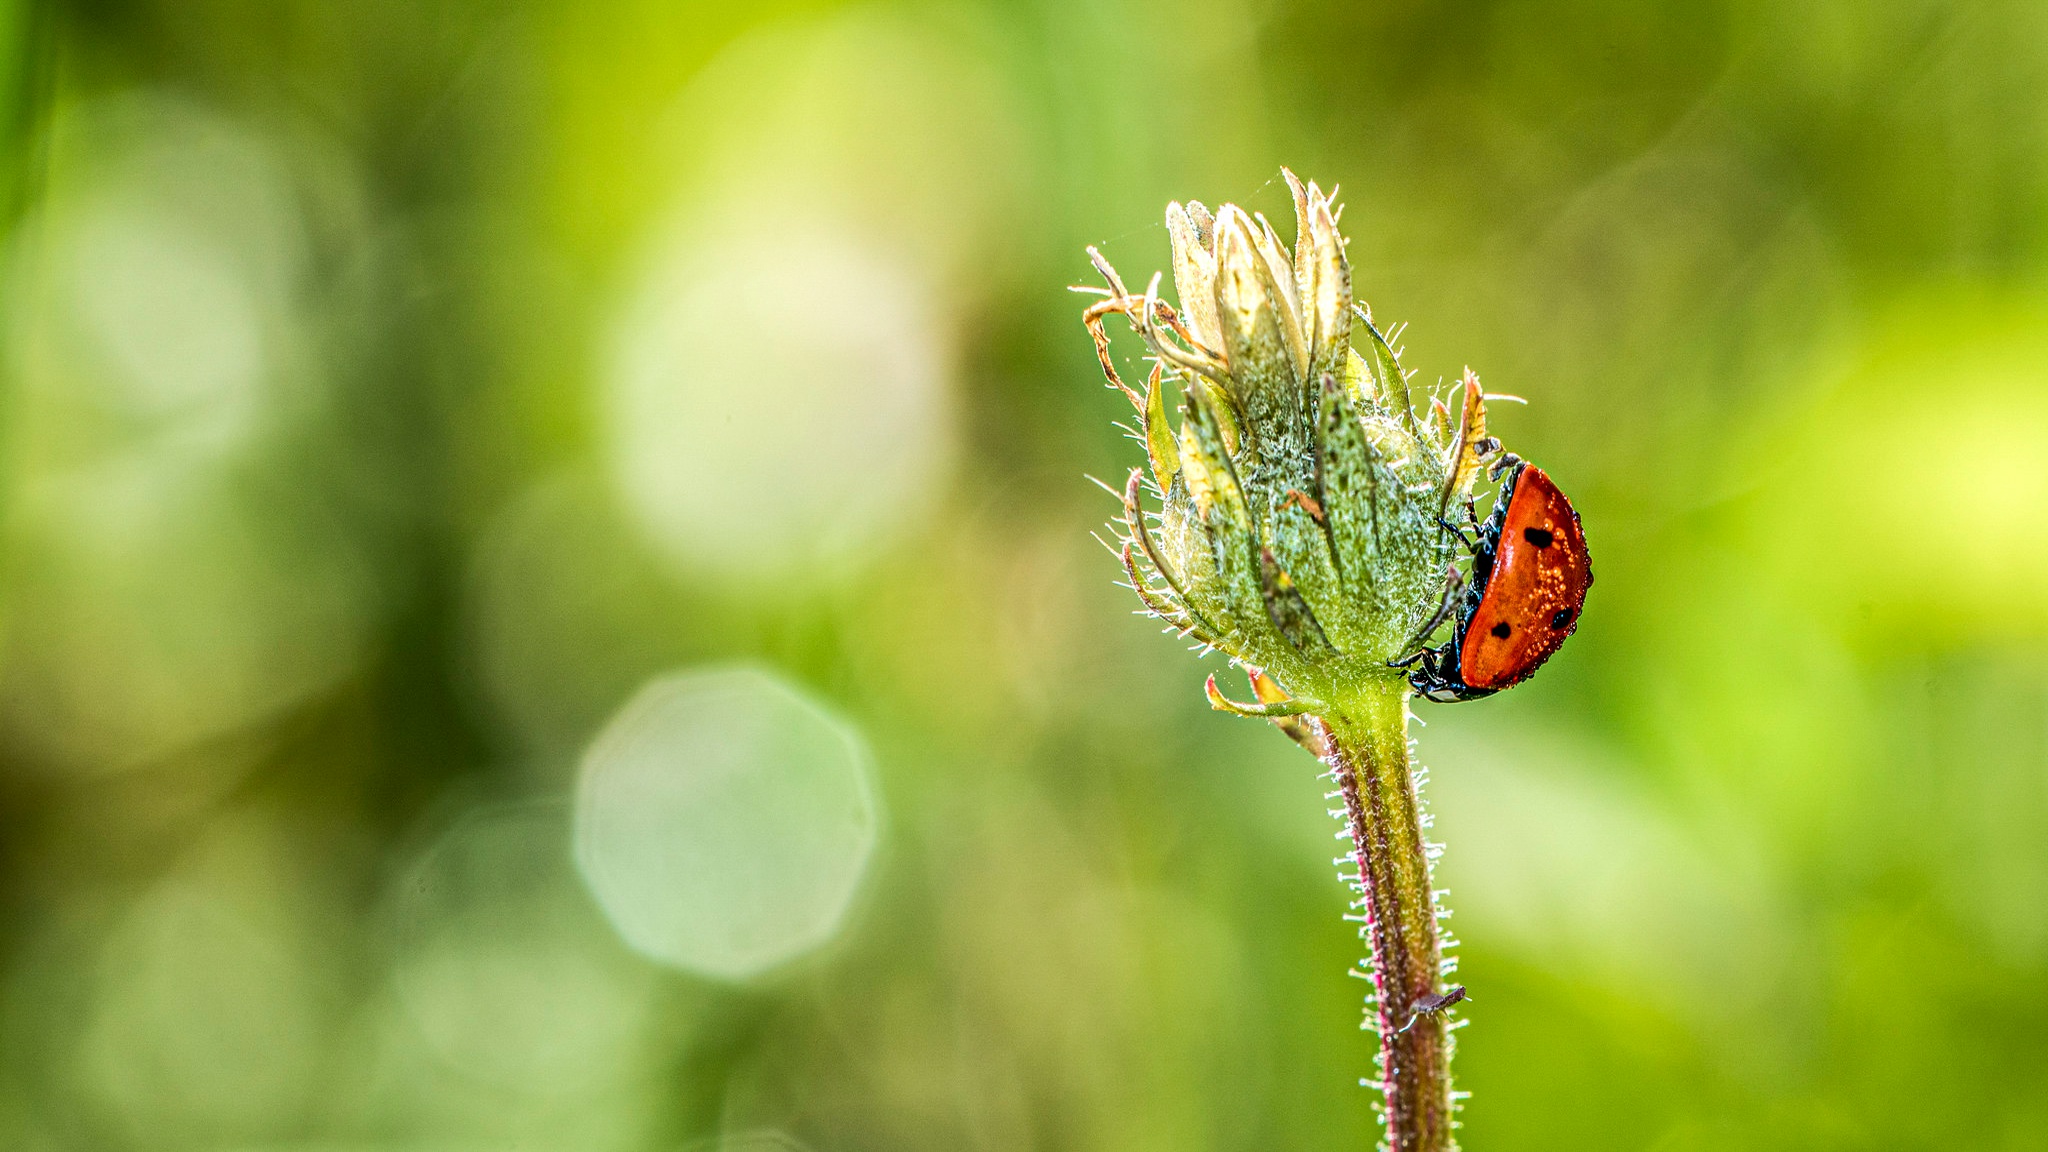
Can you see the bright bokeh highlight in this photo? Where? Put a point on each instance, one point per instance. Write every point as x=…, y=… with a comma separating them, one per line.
x=776, y=400
x=724, y=821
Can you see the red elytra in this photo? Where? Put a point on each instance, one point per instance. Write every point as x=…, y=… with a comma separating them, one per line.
x=1530, y=574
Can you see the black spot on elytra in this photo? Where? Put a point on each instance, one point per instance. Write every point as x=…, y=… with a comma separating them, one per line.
x=1562, y=618
x=1540, y=537
x=1501, y=629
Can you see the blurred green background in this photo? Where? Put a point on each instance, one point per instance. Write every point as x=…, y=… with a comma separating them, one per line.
x=547, y=599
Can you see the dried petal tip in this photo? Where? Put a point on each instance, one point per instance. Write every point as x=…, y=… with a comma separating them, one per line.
x=1468, y=449
x=1302, y=731
x=1265, y=687
x=1222, y=703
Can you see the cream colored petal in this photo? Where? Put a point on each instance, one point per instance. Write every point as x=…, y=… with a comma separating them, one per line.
x=1249, y=308
x=1280, y=269
x=1302, y=246
x=1194, y=274
x=1326, y=290
x=1305, y=268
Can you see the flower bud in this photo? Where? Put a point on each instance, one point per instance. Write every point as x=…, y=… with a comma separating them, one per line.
x=1302, y=505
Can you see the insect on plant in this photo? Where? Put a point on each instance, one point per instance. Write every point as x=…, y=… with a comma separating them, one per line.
x=1294, y=519
x=1530, y=575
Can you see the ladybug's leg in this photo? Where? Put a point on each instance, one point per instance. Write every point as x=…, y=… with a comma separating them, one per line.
x=1507, y=460
x=1429, y=679
x=1470, y=544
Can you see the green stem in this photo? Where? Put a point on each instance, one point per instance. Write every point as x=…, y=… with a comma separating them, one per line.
x=1367, y=754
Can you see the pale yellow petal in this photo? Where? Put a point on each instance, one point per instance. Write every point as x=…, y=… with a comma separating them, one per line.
x=1194, y=274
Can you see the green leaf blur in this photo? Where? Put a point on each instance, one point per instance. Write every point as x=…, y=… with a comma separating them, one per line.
x=392, y=394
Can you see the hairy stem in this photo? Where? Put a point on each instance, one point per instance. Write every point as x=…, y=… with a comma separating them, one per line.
x=1367, y=754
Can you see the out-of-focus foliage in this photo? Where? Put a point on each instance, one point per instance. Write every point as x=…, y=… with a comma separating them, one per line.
x=394, y=391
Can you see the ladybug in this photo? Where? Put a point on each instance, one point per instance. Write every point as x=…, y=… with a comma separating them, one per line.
x=1530, y=573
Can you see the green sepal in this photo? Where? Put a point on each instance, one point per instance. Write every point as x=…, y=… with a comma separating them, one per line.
x=1159, y=444
x=1301, y=542
x=1356, y=376
x=1350, y=479
x=1262, y=365
x=1227, y=518
x=1393, y=383
x=1288, y=611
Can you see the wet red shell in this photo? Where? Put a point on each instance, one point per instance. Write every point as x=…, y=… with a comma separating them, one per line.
x=1541, y=572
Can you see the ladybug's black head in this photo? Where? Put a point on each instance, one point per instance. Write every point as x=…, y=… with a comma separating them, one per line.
x=1435, y=677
